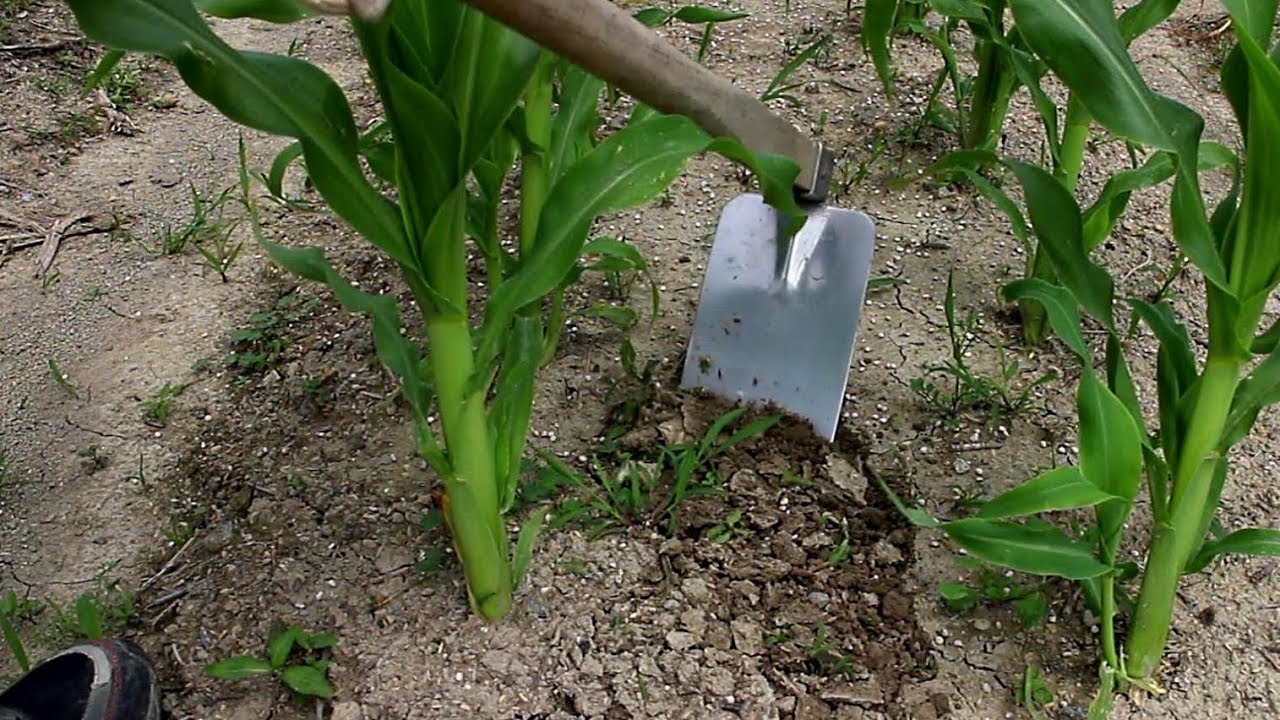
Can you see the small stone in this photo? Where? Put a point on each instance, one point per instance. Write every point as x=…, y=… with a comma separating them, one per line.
x=960, y=465
x=347, y=710
x=391, y=558
x=747, y=637
x=865, y=692
x=719, y=681
x=981, y=624
x=848, y=478
x=886, y=553
x=680, y=640
x=696, y=589
x=695, y=621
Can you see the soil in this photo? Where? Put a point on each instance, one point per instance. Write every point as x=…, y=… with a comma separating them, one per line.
x=279, y=486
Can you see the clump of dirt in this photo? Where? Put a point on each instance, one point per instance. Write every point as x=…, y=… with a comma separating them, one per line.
x=781, y=591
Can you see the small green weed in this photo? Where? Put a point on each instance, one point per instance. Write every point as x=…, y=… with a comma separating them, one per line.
x=825, y=658
x=207, y=225
x=1033, y=693
x=61, y=379
x=258, y=346
x=11, y=609
x=627, y=488
x=293, y=656
x=969, y=389
x=156, y=409
x=995, y=586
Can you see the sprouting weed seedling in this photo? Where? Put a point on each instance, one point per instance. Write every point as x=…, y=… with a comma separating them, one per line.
x=293, y=655
x=11, y=608
x=781, y=87
x=1033, y=693
x=728, y=529
x=156, y=409
x=206, y=224
x=969, y=389
x=61, y=379
x=258, y=346
x=50, y=279
x=997, y=587
x=825, y=658
x=708, y=17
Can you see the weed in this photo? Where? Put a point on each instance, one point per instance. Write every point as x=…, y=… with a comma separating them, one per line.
x=728, y=529
x=630, y=488
x=1033, y=693
x=259, y=345
x=61, y=379
x=970, y=389
x=207, y=226
x=156, y=409
x=293, y=656
x=997, y=587
x=10, y=609
x=825, y=658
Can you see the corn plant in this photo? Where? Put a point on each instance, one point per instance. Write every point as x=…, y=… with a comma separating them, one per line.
x=1012, y=58
x=466, y=101
x=1203, y=408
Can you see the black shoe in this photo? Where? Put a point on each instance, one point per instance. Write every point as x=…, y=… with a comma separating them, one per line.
x=109, y=679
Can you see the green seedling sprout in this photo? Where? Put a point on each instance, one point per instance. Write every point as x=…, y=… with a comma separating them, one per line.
x=293, y=656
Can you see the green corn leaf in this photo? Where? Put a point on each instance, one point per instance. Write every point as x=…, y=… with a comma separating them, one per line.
x=238, y=668
x=918, y=517
x=489, y=69
x=103, y=69
x=1110, y=454
x=281, y=645
x=523, y=550
x=573, y=127
x=699, y=14
x=1253, y=248
x=274, y=94
x=1259, y=390
x=1063, y=488
x=307, y=680
x=1255, y=19
x=967, y=163
x=960, y=9
x=1039, y=550
x=1029, y=71
x=1056, y=220
x=877, y=28
x=1175, y=368
x=280, y=166
x=1120, y=382
x=1082, y=42
x=275, y=11
x=1064, y=315
x=1249, y=541
x=513, y=401
x=1143, y=16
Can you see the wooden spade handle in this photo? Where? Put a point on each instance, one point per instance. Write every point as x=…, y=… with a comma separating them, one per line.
x=606, y=41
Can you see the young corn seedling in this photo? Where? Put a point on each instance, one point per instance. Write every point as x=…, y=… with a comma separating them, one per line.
x=1204, y=408
x=465, y=99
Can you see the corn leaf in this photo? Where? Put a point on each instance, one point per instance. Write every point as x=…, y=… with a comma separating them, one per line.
x=1259, y=389
x=1062, y=488
x=1110, y=455
x=1063, y=312
x=275, y=11
x=1082, y=42
x=877, y=29
x=1039, y=549
x=1120, y=382
x=1253, y=248
x=1056, y=220
x=1263, y=542
x=274, y=94
x=1143, y=16
x=574, y=124
x=513, y=401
